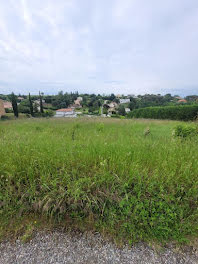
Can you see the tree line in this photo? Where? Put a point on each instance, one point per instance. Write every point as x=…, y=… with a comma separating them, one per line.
x=13, y=99
x=91, y=103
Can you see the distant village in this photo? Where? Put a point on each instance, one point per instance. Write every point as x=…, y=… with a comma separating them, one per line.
x=73, y=104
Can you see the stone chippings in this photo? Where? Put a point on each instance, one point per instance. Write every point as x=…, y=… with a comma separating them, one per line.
x=87, y=248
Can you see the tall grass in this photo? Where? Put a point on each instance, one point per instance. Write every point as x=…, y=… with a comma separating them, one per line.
x=134, y=186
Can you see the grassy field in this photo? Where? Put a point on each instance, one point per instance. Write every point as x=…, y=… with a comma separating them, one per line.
x=103, y=173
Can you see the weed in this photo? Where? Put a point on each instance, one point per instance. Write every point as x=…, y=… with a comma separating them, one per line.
x=100, y=127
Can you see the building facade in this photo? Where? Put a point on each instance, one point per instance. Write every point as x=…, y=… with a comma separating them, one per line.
x=124, y=101
x=65, y=112
x=2, y=110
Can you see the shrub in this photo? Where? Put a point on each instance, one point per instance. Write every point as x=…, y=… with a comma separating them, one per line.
x=115, y=115
x=121, y=110
x=24, y=109
x=48, y=113
x=185, y=131
x=183, y=112
x=8, y=110
x=4, y=118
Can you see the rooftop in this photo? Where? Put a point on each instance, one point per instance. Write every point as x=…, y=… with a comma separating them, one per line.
x=182, y=101
x=7, y=104
x=65, y=110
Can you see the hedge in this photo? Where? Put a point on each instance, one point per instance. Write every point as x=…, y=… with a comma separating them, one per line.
x=184, y=112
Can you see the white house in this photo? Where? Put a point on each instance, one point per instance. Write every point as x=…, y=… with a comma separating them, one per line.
x=127, y=110
x=77, y=102
x=65, y=112
x=124, y=101
x=113, y=104
x=38, y=101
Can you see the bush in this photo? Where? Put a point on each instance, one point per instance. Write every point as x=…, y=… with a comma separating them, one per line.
x=184, y=131
x=121, y=110
x=47, y=113
x=4, y=118
x=8, y=110
x=115, y=115
x=24, y=109
x=184, y=112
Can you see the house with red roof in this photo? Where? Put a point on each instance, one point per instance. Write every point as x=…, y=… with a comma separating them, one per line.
x=65, y=112
x=7, y=105
x=181, y=101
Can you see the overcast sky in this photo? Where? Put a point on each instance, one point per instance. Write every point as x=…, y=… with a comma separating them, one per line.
x=99, y=46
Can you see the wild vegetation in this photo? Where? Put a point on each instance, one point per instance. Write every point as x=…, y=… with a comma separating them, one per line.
x=132, y=179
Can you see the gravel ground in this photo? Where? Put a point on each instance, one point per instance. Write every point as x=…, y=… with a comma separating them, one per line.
x=57, y=247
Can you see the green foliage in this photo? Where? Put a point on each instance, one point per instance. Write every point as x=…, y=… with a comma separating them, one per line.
x=185, y=113
x=105, y=111
x=14, y=105
x=115, y=116
x=148, y=100
x=192, y=98
x=41, y=103
x=24, y=107
x=46, y=113
x=31, y=106
x=4, y=117
x=133, y=103
x=121, y=110
x=4, y=97
x=100, y=127
x=184, y=131
x=134, y=187
x=7, y=110
x=62, y=100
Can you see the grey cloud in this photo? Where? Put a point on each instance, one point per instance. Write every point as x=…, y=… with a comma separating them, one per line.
x=99, y=46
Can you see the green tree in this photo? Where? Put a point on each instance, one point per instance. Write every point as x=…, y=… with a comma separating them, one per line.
x=24, y=107
x=168, y=97
x=132, y=104
x=121, y=110
x=105, y=111
x=14, y=105
x=41, y=103
x=116, y=100
x=31, y=106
